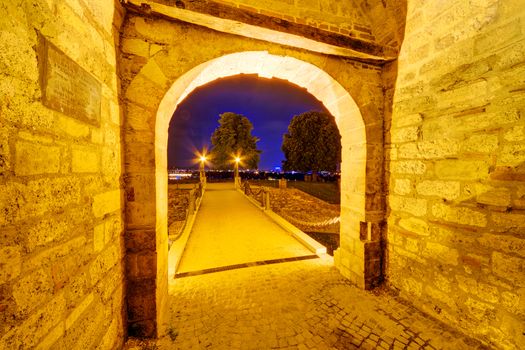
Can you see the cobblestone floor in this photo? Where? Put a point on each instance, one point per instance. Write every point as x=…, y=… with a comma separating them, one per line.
x=294, y=305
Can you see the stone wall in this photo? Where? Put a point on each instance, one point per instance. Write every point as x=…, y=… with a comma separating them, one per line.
x=61, y=272
x=456, y=227
x=369, y=20
x=163, y=58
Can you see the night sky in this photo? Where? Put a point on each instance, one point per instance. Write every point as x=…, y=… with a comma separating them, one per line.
x=270, y=104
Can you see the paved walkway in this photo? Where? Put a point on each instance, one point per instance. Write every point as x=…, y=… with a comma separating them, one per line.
x=295, y=305
x=302, y=304
x=229, y=230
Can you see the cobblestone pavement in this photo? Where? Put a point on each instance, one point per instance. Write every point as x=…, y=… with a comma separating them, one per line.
x=295, y=305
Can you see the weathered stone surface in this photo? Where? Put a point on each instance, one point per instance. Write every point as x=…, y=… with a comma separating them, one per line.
x=415, y=225
x=459, y=215
x=461, y=169
x=50, y=169
x=106, y=202
x=429, y=149
x=402, y=186
x=496, y=197
x=33, y=158
x=405, y=134
x=85, y=161
x=444, y=189
x=415, y=206
x=408, y=167
x=32, y=290
x=10, y=263
x=441, y=253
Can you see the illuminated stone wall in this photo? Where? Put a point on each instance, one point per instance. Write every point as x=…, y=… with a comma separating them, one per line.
x=163, y=61
x=61, y=275
x=456, y=228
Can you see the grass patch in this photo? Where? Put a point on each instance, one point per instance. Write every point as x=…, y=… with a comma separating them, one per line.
x=326, y=191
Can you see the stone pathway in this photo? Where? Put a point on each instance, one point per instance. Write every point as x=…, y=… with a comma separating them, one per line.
x=294, y=305
x=229, y=230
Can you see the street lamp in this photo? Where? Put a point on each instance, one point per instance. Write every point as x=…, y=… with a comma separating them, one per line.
x=237, y=161
x=236, y=178
x=202, y=174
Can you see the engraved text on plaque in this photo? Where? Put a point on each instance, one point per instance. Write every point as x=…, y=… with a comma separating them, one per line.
x=67, y=87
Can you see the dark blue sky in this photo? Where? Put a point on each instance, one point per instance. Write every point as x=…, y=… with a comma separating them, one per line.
x=270, y=104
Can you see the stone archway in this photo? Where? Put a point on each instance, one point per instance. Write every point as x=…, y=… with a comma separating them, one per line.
x=358, y=258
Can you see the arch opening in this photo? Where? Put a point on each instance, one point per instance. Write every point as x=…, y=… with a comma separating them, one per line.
x=359, y=257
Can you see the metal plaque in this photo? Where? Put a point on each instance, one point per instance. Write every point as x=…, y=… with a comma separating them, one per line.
x=67, y=87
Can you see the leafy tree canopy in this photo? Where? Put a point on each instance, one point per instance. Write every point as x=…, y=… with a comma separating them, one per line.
x=313, y=143
x=233, y=137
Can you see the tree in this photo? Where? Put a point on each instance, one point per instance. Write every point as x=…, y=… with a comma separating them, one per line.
x=313, y=143
x=233, y=137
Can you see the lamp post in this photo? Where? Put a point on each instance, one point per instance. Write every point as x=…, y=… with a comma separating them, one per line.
x=202, y=173
x=236, y=179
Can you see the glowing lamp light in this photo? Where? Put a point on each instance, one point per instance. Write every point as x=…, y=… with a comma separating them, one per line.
x=203, y=158
x=237, y=160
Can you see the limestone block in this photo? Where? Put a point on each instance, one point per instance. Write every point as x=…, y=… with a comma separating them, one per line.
x=33, y=158
x=509, y=267
x=459, y=215
x=402, y=186
x=110, y=337
x=98, y=237
x=412, y=286
x=111, y=163
x=70, y=127
x=508, y=222
x=516, y=133
x=47, y=230
x=52, y=337
x=480, y=143
x=440, y=296
x=155, y=74
x=430, y=149
x=478, y=309
x=505, y=243
x=498, y=37
x=144, y=92
x=511, y=301
x=412, y=245
x=5, y=157
x=135, y=47
x=10, y=263
x=36, y=326
x=104, y=262
x=85, y=160
x=408, y=167
x=496, y=197
x=77, y=311
x=106, y=203
x=512, y=154
x=452, y=169
x=415, y=206
x=32, y=290
x=415, y=225
x=110, y=284
x=407, y=134
x=441, y=253
x=155, y=31
x=444, y=189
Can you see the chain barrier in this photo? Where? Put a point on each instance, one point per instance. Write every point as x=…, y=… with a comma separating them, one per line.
x=327, y=222
x=249, y=192
x=332, y=221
